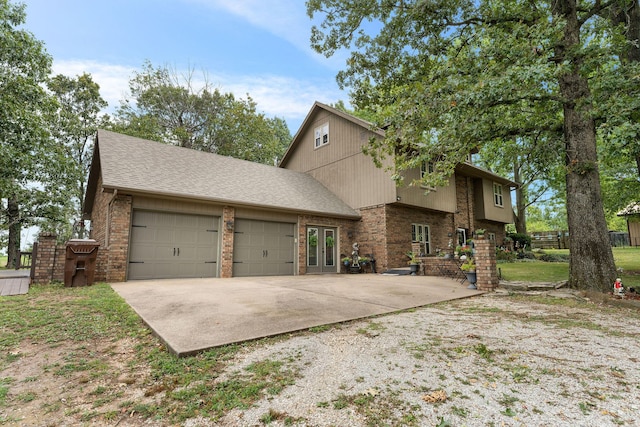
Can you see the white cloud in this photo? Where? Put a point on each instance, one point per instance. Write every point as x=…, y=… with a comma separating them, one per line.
x=113, y=79
x=281, y=96
x=286, y=19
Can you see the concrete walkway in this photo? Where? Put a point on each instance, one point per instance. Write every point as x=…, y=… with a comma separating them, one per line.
x=192, y=315
x=14, y=282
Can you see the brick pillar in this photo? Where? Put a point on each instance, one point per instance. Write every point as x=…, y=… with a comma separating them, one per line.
x=486, y=269
x=228, y=227
x=45, y=258
x=118, y=241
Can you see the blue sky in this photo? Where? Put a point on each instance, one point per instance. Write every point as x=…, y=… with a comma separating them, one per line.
x=259, y=47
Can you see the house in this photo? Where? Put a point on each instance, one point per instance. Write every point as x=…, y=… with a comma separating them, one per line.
x=632, y=215
x=328, y=147
x=161, y=211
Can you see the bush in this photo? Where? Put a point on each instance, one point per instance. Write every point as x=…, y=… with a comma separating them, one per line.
x=523, y=240
x=526, y=255
x=554, y=258
x=505, y=255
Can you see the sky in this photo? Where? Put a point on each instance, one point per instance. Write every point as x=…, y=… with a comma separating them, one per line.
x=255, y=47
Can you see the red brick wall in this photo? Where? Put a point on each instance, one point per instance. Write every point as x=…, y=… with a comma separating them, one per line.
x=486, y=269
x=370, y=233
x=346, y=236
x=226, y=256
x=464, y=216
x=398, y=231
x=99, y=226
x=118, y=238
x=46, y=258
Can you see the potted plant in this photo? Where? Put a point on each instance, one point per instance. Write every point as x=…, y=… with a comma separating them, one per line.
x=469, y=269
x=346, y=261
x=313, y=240
x=330, y=241
x=414, y=262
x=480, y=233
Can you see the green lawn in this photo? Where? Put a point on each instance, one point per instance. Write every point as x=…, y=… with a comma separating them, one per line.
x=3, y=262
x=627, y=259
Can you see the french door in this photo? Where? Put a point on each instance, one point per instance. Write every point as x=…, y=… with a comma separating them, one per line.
x=322, y=247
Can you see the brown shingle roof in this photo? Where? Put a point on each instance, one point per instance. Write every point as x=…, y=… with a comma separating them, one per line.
x=137, y=165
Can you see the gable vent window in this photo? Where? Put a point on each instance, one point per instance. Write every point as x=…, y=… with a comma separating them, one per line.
x=497, y=195
x=321, y=135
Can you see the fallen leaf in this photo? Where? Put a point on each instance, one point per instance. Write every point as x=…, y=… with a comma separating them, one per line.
x=435, y=397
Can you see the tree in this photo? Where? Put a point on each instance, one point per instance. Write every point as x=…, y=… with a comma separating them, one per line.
x=166, y=107
x=447, y=77
x=30, y=161
x=530, y=162
x=76, y=122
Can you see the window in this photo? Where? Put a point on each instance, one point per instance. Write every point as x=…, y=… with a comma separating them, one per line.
x=420, y=233
x=321, y=135
x=497, y=194
x=426, y=168
x=492, y=237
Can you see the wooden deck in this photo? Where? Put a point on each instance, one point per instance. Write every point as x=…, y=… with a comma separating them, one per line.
x=14, y=282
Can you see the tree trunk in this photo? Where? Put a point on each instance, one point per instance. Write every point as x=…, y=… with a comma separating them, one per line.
x=591, y=265
x=521, y=214
x=13, y=216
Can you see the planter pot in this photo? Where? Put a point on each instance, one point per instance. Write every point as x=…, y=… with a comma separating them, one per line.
x=414, y=269
x=472, y=278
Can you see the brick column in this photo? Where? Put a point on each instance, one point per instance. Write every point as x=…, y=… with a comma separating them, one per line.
x=119, y=226
x=45, y=258
x=486, y=269
x=228, y=227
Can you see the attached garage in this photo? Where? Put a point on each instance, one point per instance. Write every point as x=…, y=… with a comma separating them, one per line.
x=263, y=248
x=172, y=245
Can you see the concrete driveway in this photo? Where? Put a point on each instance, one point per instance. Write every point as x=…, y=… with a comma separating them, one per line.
x=192, y=315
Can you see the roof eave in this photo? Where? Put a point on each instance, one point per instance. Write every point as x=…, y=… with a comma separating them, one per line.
x=228, y=202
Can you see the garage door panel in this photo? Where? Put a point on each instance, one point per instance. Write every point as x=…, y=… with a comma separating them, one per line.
x=172, y=245
x=263, y=248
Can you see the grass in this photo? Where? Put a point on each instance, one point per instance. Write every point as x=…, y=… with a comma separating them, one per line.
x=627, y=259
x=175, y=389
x=3, y=262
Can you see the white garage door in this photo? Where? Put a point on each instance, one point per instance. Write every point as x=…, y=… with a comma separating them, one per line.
x=263, y=248
x=169, y=245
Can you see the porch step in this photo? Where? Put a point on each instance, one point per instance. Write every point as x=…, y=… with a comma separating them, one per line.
x=398, y=272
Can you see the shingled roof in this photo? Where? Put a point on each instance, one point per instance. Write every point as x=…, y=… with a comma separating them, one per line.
x=631, y=209
x=137, y=165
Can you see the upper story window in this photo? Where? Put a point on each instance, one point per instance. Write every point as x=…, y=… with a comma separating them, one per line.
x=321, y=135
x=497, y=195
x=426, y=168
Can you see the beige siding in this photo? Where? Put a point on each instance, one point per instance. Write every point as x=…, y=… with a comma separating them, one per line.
x=441, y=199
x=340, y=165
x=486, y=208
x=247, y=213
x=176, y=205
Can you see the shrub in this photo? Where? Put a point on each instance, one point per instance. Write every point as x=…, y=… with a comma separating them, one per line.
x=505, y=255
x=554, y=258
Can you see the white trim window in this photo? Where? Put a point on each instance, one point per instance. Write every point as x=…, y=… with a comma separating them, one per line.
x=321, y=136
x=421, y=233
x=426, y=168
x=497, y=194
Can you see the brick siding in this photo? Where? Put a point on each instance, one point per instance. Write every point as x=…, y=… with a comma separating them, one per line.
x=226, y=256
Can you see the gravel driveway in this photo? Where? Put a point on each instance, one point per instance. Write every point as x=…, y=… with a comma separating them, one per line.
x=486, y=361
